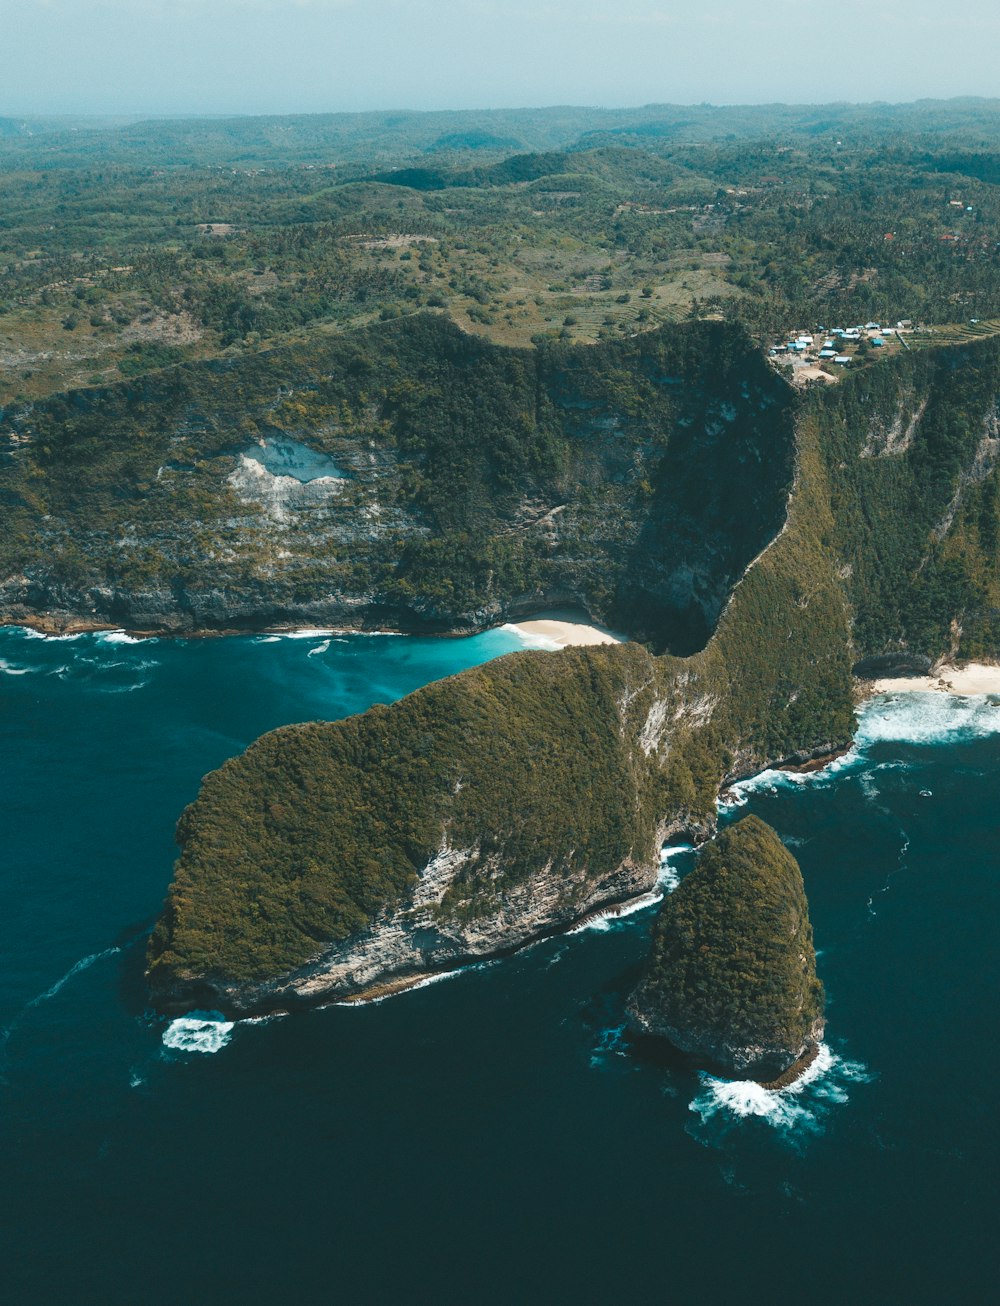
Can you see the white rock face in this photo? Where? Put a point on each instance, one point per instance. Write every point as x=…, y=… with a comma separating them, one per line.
x=410, y=940
x=286, y=477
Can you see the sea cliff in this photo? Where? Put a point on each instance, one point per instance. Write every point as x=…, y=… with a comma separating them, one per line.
x=755, y=545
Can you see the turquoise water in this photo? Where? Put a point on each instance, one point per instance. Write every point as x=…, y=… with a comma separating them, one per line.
x=488, y=1138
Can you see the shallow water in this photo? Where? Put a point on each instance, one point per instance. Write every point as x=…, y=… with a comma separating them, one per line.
x=488, y=1137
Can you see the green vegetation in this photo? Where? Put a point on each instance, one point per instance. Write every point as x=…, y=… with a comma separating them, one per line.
x=494, y=476
x=731, y=975
x=256, y=896
x=223, y=238
x=530, y=340
x=317, y=828
x=911, y=452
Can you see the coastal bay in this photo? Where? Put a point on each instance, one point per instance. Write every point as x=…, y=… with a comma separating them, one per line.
x=456, y=1089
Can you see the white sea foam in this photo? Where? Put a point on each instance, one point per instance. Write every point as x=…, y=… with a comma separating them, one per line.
x=531, y=640
x=420, y=984
x=27, y=632
x=320, y=648
x=669, y=877
x=667, y=880
x=267, y=639
x=771, y=781
x=927, y=718
x=307, y=632
x=83, y=964
x=8, y=669
x=912, y=718
x=802, y=1107
x=118, y=637
x=198, y=1031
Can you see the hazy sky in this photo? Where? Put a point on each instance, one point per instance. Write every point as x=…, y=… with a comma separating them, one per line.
x=285, y=56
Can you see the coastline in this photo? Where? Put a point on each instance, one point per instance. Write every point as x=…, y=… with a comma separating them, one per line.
x=549, y=629
x=967, y=681
x=564, y=628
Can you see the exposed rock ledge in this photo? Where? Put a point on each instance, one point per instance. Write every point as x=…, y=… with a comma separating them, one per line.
x=409, y=943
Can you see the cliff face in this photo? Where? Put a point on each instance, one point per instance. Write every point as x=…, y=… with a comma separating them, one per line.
x=510, y=800
x=731, y=975
x=407, y=476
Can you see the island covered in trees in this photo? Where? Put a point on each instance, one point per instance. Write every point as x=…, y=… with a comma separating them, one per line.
x=436, y=372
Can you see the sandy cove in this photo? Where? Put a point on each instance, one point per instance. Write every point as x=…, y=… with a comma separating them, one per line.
x=565, y=629
x=971, y=679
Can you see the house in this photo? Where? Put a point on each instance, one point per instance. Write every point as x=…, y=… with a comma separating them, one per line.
x=843, y=359
x=872, y=326
x=877, y=342
x=828, y=353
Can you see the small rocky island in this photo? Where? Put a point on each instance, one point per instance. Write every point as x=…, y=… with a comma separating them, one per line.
x=731, y=976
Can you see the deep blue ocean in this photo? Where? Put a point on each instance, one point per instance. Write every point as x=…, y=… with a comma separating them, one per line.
x=488, y=1138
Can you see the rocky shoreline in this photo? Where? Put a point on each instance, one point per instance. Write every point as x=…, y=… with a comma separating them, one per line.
x=386, y=959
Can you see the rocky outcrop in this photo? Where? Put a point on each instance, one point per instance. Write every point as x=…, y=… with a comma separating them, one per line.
x=731, y=977
x=413, y=940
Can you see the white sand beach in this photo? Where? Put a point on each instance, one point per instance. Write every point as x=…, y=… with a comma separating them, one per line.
x=973, y=678
x=563, y=629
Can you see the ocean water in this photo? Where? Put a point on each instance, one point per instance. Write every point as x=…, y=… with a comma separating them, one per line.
x=490, y=1137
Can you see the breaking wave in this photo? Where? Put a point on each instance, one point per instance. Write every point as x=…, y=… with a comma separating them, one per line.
x=83, y=964
x=669, y=876
x=8, y=669
x=904, y=718
x=118, y=637
x=606, y=920
x=28, y=633
x=419, y=984
x=198, y=1031
x=530, y=640
x=802, y=1108
x=930, y=718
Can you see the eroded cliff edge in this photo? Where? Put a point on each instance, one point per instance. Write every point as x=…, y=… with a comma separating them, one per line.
x=498, y=805
x=507, y=802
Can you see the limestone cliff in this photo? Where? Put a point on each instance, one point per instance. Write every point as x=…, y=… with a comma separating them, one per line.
x=407, y=476
x=417, y=478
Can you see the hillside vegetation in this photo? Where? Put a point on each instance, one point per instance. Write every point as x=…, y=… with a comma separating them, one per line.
x=731, y=974
x=128, y=247
x=479, y=481
x=562, y=766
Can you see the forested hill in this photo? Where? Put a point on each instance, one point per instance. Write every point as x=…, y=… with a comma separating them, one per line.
x=128, y=247
x=469, y=782
x=462, y=483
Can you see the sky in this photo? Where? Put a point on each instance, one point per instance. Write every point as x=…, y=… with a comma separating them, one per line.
x=308, y=56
